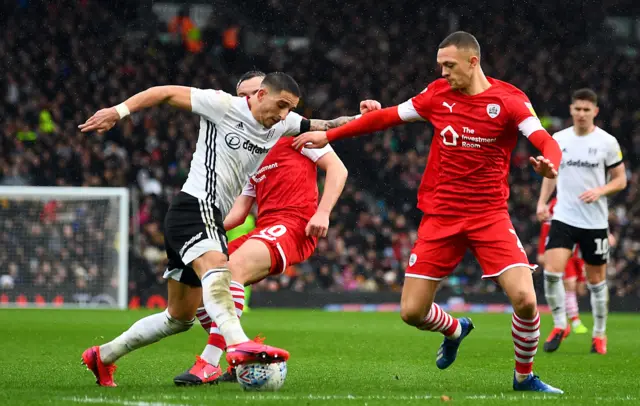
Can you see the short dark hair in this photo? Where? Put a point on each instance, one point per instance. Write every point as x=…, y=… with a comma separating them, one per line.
x=279, y=81
x=461, y=40
x=250, y=75
x=585, y=94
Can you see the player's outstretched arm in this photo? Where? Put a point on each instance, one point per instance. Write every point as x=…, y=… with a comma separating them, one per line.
x=366, y=106
x=335, y=179
x=548, y=186
x=368, y=123
x=617, y=182
x=239, y=212
x=105, y=119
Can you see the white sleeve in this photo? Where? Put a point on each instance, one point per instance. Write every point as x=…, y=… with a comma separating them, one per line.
x=530, y=125
x=408, y=112
x=249, y=190
x=292, y=124
x=614, y=153
x=315, y=154
x=210, y=104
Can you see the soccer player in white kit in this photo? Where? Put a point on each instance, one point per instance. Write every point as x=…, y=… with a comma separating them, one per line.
x=590, y=155
x=236, y=133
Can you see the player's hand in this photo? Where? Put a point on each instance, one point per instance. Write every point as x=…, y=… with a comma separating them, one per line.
x=543, y=213
x=591, y=195
x=543, y=167
x=102, y=121
x=367, y=106
x=318, y=225
x=612, y=240
x=312, y=139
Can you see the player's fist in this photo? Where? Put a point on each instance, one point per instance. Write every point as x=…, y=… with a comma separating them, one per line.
x=318, y=225
x=591, y=195
x=544, y=167
x=367, y=106
x=612, y=240
x=102, y=121
x=543, y=213
x=312, y=139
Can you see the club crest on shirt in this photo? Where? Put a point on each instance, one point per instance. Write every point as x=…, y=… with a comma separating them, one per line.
x=271, y=133
x=412, y=259
x=493, y=110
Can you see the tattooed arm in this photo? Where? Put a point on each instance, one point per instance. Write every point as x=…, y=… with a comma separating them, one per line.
x=366, y=106
x=324, y=125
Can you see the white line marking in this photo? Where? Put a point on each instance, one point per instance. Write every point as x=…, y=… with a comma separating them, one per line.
x=123, y=402
x=272, y=397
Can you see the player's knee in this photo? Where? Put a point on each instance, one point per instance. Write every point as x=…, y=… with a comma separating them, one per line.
x=541, y=260
x=209, y=260
x=412, y=315
x=241, y=269
x=524, y=302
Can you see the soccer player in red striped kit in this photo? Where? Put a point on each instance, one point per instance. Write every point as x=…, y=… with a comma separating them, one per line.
x=464, y=195
x=290, y=221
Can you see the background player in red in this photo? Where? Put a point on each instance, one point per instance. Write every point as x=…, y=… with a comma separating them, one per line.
x=464, y=195
x=290, y=221
x=574, y=275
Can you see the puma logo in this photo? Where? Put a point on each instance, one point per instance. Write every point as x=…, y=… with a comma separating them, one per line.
x=449, y=106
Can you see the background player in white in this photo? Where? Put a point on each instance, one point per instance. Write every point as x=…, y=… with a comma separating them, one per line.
x=235, y=135
x=589, y=155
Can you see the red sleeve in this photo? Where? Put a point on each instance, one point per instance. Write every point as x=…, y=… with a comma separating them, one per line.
x=371, y=122
x=525, y=117
x=548, y=146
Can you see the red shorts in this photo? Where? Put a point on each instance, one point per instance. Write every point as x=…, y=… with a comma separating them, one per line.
x=544, y=237
x=575, y=269
x=443, y=241
x=286, y=240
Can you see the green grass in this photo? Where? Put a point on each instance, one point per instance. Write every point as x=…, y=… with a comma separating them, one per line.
x=336, y=358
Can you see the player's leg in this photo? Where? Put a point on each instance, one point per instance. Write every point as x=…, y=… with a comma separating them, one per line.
x=249, y=262
x=570, y=282
x=431, y=260
x=177, y=318
x=595, y=252
x=212, y=268
x=562, y=239
x=498, y=249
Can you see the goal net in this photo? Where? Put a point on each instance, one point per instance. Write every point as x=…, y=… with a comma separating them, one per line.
x=64, y=247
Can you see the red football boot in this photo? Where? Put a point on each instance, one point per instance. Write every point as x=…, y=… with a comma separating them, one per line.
x=599, y=345
x=104, y=373
x=555, y=338
x=200, y=373
x=253, y=351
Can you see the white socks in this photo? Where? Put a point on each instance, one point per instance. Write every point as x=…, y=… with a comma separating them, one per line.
x=217, y=298
x=143, y=332
x=555, y=295
x=599, y=307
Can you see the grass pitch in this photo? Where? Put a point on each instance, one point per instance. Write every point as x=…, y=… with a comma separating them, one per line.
x=336, y=358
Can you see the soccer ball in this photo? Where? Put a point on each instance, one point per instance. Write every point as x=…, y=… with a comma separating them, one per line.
x=262, y=377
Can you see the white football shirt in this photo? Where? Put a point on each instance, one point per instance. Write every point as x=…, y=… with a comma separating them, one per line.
x=231, y=146
x=585, y=161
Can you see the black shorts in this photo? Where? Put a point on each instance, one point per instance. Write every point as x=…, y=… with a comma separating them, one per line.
x=594, y=244
x=191, y=228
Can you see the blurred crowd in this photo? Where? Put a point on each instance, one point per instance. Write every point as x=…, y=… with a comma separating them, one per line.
x=77, y=59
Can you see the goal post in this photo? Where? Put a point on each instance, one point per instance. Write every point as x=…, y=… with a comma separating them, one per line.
x=64, y=247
